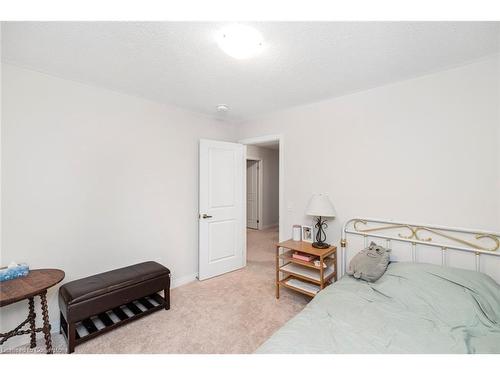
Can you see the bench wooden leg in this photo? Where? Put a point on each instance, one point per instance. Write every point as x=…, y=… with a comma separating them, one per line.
x=71, y=337
x=166, y=297
x=61, y=322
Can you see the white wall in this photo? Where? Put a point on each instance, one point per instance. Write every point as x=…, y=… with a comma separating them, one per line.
x=1, y=163
x=270, y=171
x=422, y=150
x=498, y=133
x=94, y=180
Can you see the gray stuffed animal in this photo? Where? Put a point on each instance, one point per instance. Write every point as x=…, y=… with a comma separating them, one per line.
x=370, y=263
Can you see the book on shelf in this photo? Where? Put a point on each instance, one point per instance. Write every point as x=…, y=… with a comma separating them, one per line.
x=303, y=285
x=303, y=256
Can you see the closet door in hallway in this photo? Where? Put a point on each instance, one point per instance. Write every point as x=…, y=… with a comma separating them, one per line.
x=253, y=194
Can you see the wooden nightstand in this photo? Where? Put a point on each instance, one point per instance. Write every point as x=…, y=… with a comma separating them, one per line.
x=301, y=276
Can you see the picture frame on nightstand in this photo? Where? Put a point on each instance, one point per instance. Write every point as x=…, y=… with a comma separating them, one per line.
x=307, y=233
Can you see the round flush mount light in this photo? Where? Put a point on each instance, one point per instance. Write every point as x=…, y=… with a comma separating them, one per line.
x=240, y=41
x=222, y=108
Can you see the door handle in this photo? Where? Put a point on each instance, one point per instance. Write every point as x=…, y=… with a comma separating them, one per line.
x=205, y=216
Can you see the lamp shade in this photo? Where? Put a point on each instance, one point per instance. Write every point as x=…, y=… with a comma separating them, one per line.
x=320, y=205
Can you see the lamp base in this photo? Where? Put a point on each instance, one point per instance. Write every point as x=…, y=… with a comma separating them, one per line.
x=320, y=245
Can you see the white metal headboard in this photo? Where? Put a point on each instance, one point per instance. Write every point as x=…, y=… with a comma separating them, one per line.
x=477, y=242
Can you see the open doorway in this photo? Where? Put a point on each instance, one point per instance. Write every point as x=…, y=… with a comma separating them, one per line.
x=263, y=198
x=225, y=244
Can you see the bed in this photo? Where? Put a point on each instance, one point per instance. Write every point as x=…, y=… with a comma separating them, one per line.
x=415, y=307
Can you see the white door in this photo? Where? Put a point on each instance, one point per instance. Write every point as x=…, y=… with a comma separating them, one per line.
x=253, y=194
x=221, y=222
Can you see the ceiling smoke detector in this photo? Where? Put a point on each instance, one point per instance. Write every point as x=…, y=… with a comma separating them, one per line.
x=222, y=108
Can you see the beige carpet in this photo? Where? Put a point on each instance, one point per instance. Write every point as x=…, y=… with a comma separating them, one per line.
x=232, y=313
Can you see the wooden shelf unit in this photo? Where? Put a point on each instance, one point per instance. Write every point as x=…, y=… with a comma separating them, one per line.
x=326, y=256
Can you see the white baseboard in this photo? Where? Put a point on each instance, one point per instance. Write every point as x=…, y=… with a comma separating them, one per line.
x=178, y=281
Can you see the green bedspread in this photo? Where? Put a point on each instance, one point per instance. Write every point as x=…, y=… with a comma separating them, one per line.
x=412, y=308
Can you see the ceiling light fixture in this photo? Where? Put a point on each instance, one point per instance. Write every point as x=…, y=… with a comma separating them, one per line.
x=240, y=41
x=222, y=108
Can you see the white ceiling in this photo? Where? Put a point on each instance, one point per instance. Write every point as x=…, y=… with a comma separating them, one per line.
x=180, y=63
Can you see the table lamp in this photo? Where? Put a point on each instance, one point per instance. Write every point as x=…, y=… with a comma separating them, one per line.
x=320, y=207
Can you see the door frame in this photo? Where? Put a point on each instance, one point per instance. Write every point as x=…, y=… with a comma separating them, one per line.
x=263, y=139
x=260, y=190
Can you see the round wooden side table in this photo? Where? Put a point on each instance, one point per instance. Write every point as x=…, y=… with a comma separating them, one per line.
x=35, y=284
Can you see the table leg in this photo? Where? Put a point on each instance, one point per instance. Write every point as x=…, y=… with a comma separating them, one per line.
x=277, y=272
x=46, y=324
x=32, y=316
x=321, y=272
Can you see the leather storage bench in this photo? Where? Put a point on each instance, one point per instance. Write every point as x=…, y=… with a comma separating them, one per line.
x=94, y=305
